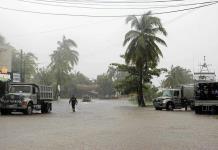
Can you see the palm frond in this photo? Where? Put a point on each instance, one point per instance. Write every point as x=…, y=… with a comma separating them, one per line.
x=134, y=22
x=132, y=34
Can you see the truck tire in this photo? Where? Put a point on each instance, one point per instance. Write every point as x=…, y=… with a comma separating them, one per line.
x=157, y=108
x=29, y=109
x=213, y=110
x=49, y=107
x=43, y=108
x=169, y=106
x=198, y=110
x=192, y=107
x=46, y=107
x=3, y=111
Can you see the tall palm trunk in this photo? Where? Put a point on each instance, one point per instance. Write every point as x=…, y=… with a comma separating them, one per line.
x=140, y=90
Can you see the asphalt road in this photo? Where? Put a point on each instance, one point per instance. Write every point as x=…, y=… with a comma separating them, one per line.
x=108, y=125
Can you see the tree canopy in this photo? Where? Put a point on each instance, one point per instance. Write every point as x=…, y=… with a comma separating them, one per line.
x=142, y=49
x=63, y=60
x=177, y=76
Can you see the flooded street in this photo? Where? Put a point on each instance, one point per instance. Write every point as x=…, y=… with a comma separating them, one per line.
x=108, y=125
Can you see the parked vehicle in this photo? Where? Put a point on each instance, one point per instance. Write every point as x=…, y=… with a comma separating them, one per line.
x=206, y=97
x=178, y=98
x=86, y=98
x=25, y=97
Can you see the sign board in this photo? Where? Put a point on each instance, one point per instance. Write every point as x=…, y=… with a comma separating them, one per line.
x=4, y=70
x=5, y=77
x=16, y=77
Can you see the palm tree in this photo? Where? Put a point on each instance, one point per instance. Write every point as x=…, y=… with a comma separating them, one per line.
x=63, y=60
x=177, y=76
x=142, y=49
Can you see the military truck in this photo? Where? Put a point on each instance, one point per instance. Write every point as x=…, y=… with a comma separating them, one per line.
x=206, y=97
x=178, y=98
x=26, y=97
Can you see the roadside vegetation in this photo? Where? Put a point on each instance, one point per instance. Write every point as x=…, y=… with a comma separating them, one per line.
x=133, y=78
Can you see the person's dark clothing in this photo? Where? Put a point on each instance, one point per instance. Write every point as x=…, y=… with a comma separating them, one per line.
x=73, y=102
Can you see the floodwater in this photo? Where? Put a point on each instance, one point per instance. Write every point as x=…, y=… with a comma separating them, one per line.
x=108, y=125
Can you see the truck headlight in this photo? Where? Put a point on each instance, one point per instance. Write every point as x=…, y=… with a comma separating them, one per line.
x=165, y=101
x=24, y=103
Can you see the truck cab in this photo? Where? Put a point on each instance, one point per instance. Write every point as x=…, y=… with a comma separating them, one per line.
x=25, y=97
x=170, y=99
x=28, y=91
x=175, y=98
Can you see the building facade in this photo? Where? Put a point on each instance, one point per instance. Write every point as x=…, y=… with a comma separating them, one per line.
x=5, y=58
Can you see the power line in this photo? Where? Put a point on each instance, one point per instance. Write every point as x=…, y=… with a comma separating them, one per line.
x=178, y=17
x=102, y=16
x=167, y=6
x=192, y=8
x=111, y=2
x=87, y=3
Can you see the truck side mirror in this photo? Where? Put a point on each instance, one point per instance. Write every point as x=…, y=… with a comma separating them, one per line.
x=34, y=90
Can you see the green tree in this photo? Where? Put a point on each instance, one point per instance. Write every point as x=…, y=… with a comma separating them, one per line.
x=80, y=78
x=29, y=66
x=63, y=60
x=105, y=87
x=44, y=76
x=77, y=84
x=177, y=76
x=25, y=64
x=142, y=49
x=150, y=92
x=129, y=81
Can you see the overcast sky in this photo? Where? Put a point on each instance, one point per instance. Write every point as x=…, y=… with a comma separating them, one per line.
x=191, y=34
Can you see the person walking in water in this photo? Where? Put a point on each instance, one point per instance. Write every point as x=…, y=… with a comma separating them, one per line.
x=73, y=102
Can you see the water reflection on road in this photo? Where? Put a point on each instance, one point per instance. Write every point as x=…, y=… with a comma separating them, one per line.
x=110, y=125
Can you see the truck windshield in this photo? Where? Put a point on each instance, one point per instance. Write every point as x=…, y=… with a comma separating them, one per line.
x=167, y=93
x=20, y=89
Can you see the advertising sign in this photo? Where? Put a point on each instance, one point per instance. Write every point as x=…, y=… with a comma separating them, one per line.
x=5, y=77
x=16, y=77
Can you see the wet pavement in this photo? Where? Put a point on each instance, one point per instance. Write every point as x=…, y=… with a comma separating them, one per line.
x=108, y=125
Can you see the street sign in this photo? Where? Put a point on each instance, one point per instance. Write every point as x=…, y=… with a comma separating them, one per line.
x=16, y=77
x=5, y=77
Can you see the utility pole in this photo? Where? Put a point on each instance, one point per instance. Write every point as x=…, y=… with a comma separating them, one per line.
x=21, y=66
x=24, y=70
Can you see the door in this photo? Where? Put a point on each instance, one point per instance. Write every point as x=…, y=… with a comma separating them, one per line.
x=34, y=95
x=177, y=99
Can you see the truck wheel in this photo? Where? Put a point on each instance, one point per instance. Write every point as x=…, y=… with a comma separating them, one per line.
x=170, y=106
x=198, y=110
x=44, y=108
x=29, y=109
x=49, y=107
x=192, y=107
x=3, y=112
x=213, y=110
x=157, y=108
